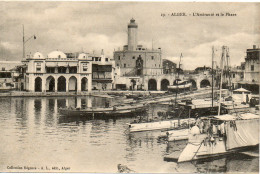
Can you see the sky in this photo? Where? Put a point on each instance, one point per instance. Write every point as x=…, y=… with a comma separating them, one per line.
x=93, y=26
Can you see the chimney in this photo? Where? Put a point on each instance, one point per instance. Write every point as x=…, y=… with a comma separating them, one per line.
x=254, y=46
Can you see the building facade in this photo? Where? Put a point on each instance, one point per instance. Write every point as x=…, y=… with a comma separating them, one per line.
x=102, y=72
x=9, y=75
x=251, y=70
x=136, y=66
x=57, y=73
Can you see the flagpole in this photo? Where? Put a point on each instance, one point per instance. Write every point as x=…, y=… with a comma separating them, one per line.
x=24, y=41
x=23, y=44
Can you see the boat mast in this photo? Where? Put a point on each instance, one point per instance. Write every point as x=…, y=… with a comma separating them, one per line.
x=178, y=73
x=221, y=74
x=212, y=74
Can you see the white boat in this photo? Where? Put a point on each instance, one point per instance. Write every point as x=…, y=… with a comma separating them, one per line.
x=180, y=85
x=159, y=125
x=238, y=133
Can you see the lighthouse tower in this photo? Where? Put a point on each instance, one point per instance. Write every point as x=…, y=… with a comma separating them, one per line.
x=132, y=35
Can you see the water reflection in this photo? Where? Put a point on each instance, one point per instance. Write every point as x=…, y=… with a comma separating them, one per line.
x=34, y=129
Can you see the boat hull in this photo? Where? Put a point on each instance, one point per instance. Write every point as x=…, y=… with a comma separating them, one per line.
x=158, y=125
x=175, y=88
x=238, y=135
x=103, y=112
x=201, y=151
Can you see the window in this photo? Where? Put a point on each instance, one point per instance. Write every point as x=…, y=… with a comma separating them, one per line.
x=62, y=69
x=85, y=68
x=133, y=57
x=252, y=67
x=124, y=65
x=106, y=59
x=155, y=65
x=152, y=57
x=58, y=56
x=117, y=64
x=72, y=69
x=38, y=67
x=234, y=75
x=118, y=57
x=3, y=68
x=50, y=70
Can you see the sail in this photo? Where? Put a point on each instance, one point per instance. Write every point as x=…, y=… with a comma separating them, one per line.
x=241, y=133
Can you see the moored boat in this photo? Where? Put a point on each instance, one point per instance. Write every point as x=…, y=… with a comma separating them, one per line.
x=180, y=85
x=104, y=111
x=221, y=135
x=160, y=125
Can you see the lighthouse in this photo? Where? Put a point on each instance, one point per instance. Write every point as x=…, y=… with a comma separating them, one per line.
x=132, y=35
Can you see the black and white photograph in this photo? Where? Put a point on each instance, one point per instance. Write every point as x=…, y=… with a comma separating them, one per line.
x=129, y=87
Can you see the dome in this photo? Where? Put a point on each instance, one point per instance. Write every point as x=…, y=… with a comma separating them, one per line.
x=83, y=56
x=56, y=54
x=38, y=55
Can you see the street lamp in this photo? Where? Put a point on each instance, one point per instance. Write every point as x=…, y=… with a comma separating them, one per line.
x=24, y=41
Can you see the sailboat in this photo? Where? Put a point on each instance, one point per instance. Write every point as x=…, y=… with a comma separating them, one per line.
x=180, y=85
x=221, y=134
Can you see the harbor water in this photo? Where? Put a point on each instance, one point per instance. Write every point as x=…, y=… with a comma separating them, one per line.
x=36, y=138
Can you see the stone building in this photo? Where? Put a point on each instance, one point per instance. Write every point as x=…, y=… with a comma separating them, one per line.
x=134, y=59
x=251, y=70
x=102, y=72
x=135, y=63
x=57, y=73
x=9, y=75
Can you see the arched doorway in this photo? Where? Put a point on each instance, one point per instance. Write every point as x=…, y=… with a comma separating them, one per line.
x=194, y=84
x=84, y=84
x=152, y=85
x=204, y=83
x=50, y=84
x=73, y=83
x=164, y=84
x=38, y=85
x=61, y=84
x=133, y=83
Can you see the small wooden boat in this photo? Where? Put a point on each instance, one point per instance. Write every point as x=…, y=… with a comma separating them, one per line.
x=108, y=111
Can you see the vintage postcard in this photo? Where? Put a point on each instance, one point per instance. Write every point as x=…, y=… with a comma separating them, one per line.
x=129, y=87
